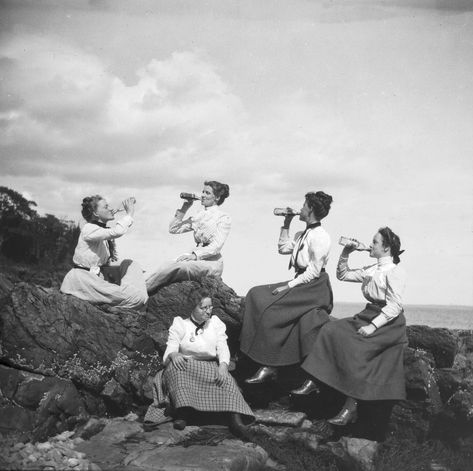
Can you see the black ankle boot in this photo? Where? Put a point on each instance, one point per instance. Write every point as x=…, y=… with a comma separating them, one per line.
x=237, y=427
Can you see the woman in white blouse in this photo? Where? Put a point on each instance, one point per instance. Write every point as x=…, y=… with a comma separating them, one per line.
x=95, y=278
x=211, y=227
x=362, y=356
x=196, y=370
x=281, y=320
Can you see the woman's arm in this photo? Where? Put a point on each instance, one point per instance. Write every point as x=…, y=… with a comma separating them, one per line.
x=344, y=273
x=223, y=353
x=175, y=335
x=92, y=232
x=217, y=239
x=285, y=243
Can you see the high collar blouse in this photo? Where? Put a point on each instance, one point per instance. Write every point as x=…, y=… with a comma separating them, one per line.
x=92, y=249
x=382, y=284
x=209, y=344
x=211, y=227
x=312, y=249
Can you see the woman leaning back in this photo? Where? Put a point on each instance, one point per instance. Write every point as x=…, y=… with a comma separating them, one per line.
x=362, y=356
x=97, y=277
x=281, y=320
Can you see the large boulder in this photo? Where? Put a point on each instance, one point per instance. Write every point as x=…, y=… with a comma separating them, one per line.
x=109, y=356
x=443, y=344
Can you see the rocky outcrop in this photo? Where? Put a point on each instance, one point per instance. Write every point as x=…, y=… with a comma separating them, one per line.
x=63, y=360
x=89, y=360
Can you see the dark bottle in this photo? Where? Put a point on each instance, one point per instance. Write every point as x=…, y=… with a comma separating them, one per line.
x=189, y=196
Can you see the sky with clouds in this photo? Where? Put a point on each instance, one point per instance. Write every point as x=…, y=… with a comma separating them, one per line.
x=368, y=100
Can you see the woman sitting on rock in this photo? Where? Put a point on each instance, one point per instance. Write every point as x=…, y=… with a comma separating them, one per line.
x=362, y=356
x=281, y=320
x=94, y=278
x=196, y=370
x=211, y=227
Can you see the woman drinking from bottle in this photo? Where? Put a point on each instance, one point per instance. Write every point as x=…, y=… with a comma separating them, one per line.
x=362, y=356
x=281, y=320
x=211, y=227
x=97, y=277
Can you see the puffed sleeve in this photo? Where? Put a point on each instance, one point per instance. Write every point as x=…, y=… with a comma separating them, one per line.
x=223, y=353
x=344, y=273
x=318, y=245
x=175, y=335
x=178, y=225
x=92, y=232
x=395, y=285
x=285, y=243
x=217, y=239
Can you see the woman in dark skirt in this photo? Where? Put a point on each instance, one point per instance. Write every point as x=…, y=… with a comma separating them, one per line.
x=362, y=356
x=282, y=319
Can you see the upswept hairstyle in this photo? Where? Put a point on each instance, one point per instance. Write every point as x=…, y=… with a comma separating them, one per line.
x=319, y=203
x=89, y=206
x=221, y=190
x=391, y=240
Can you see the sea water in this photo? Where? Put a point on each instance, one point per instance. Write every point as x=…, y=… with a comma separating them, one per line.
x=451, y=317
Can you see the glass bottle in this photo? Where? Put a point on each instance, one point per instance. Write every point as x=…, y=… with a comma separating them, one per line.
x=189, y=196
x=349, y=241
x=285, y=212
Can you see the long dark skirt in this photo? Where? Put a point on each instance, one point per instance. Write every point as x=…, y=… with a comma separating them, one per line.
x=279, y=330
x=367, y=368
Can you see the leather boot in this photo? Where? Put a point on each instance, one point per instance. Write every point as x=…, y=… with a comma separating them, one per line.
x=237, y=427
x=344, y=417
x=263, y=375
x=307, y=388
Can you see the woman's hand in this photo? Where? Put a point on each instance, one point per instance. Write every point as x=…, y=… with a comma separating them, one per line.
x=186, y=205
x=280, y=289
x=367, y=330
x=178, y=360
x=221, y=374
x=187, y=257
x=288, y=219
x=129, y=205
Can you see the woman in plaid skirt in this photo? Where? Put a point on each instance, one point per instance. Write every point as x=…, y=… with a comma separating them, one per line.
x=211, y=227
x=196, y=370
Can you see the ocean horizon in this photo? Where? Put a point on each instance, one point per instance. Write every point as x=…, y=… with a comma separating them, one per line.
x=433, y=315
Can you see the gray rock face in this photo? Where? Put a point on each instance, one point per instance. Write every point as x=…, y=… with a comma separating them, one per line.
x=96, y=359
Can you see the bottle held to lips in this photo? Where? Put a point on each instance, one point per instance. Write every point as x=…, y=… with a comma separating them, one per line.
x=114, y=211
x=285, y=212
x=189, y=196
x=356, y=243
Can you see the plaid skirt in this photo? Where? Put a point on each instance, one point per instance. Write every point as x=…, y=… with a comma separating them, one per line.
x=194, y=387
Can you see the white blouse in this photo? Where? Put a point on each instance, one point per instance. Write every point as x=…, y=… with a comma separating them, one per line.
x=382, y=284
x=209, y=344
x=211, y=227
x=313, y=247
x=92, y=249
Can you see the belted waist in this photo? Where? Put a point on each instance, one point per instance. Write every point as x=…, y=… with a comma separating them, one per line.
x=299, y=271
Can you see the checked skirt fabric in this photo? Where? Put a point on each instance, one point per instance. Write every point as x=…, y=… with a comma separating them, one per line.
x=194, y=387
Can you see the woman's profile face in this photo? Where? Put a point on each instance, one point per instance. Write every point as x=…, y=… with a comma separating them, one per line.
x=103, y=212
x=208, y=197
x=203, y=311
x=305, y=212
x=377, y=249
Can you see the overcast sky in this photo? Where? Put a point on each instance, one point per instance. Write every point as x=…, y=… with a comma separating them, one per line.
x=369, y=101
